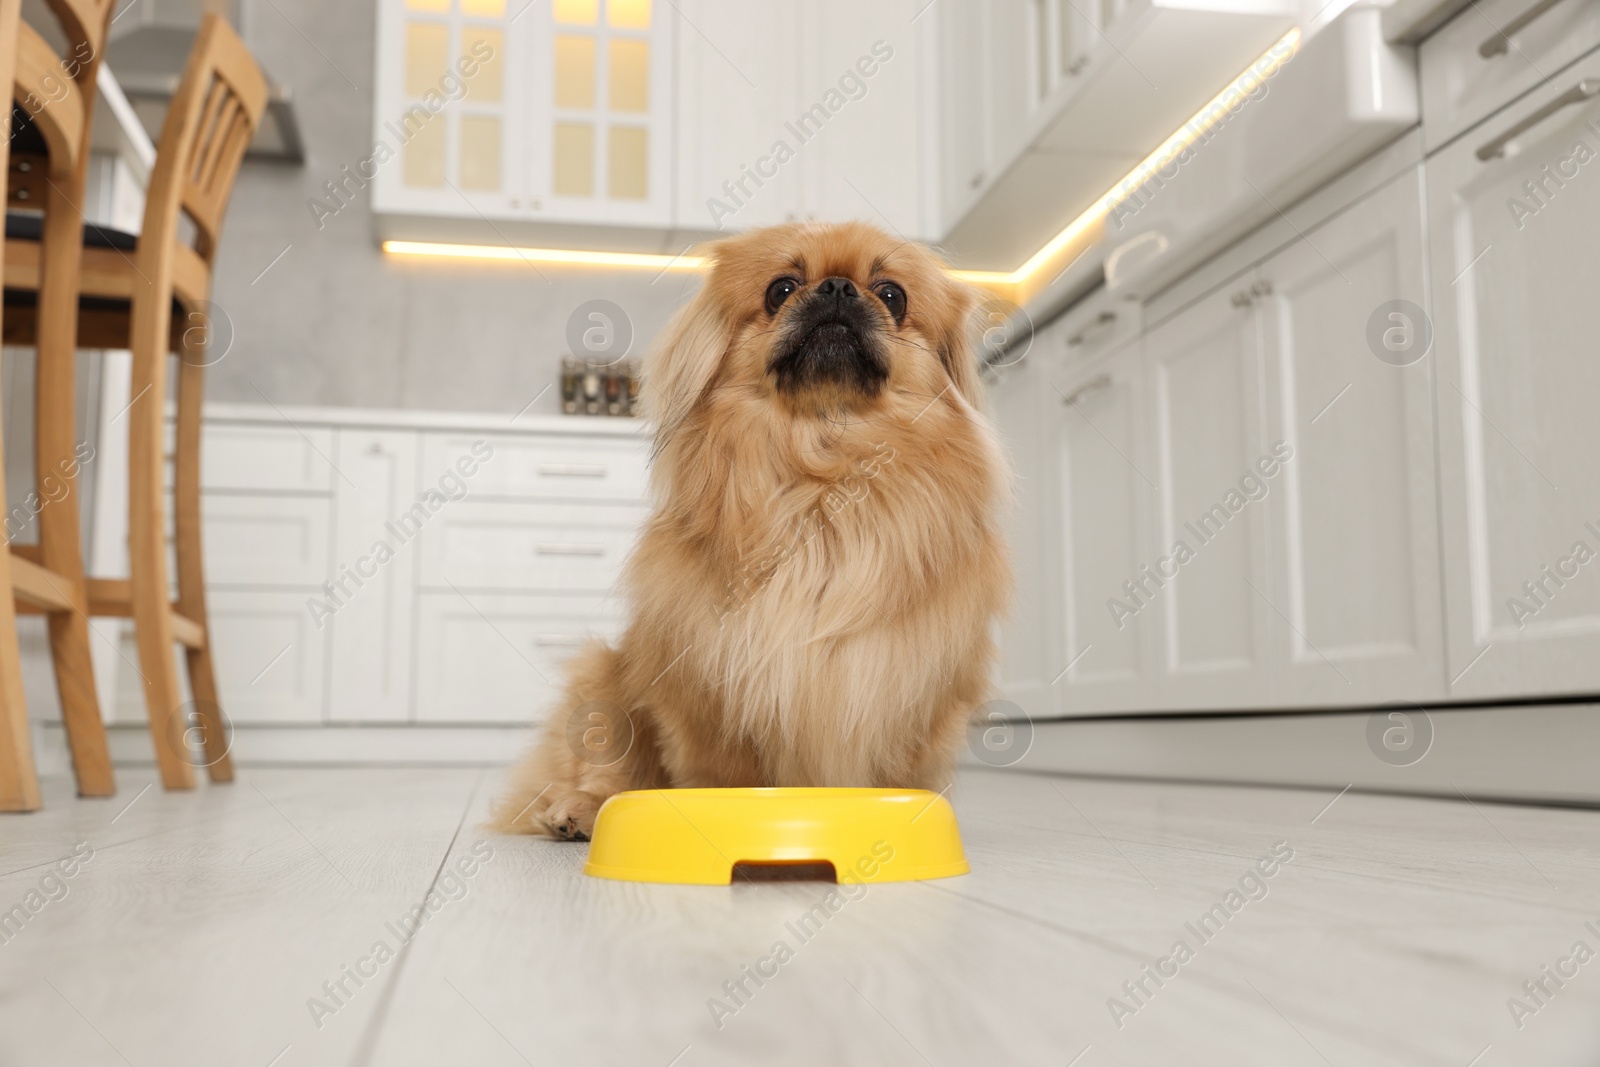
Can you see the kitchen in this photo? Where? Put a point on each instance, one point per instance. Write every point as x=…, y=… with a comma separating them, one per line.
x=1281, y=324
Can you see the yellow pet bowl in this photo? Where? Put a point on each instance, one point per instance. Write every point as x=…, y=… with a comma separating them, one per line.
x=698, y=836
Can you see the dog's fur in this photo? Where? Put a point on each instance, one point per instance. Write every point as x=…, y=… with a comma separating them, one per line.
x=812, y=597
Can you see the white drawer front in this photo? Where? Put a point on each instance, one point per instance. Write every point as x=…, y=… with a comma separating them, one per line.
x=496, y=658
x=543, y=468
x=248, y=456
x=265, y=540
x=1461, y=86
x=534, y=547
x=271, y=657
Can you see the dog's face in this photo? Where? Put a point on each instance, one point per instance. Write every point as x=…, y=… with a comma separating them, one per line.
x=820, y=320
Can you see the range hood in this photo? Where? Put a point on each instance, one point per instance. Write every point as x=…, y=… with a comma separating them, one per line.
x=150, y=43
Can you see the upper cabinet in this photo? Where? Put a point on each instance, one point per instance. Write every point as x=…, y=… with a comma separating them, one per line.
x=558, y=111
x=632, y=124
x=1046, y=104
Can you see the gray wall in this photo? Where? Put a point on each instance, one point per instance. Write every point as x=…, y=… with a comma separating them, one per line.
x=335, y=321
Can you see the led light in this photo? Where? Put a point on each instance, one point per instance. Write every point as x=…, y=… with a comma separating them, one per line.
x=1213, y=112
x=647, y=260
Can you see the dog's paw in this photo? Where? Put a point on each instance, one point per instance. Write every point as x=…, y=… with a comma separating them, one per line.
x=571, y=815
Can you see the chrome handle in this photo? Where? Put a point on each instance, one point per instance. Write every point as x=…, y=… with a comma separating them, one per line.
x=558, y=639
x=1103, y=321
x=1243, y=298
x=1584, y=90
x=1093, y=385
x=572, y=470
x=1500, y=43
x=569, y=550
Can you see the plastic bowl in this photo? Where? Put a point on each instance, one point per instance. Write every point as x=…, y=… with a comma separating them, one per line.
x=698, y=836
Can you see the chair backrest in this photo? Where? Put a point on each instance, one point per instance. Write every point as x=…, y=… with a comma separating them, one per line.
x=203, y=140
x=56, y=92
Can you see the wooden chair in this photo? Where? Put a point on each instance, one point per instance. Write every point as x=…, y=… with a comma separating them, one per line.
x=46, y=161
x=131, y=289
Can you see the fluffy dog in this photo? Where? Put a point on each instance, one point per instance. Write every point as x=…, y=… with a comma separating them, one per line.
x=812, y=597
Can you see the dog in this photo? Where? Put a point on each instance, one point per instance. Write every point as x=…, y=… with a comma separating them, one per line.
x=813, y=596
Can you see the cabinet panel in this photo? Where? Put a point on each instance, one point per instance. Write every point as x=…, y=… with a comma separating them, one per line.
x=732, y=174
x=1102, y=659
x=250, y=457
x=862, y=160
x=497, y=658
x=534, y=547
x=370, y=675
x=543, y=468
x=1515, y=316
x=265, y=540
x=1206, y=406
x=1015, y=408
x=1355, y=517
x=966, y=151
x=271, y=658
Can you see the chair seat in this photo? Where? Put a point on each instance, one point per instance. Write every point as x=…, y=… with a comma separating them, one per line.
x=107, y=271
x=29, y=226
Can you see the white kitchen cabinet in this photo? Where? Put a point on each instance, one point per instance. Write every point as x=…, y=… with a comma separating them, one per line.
x=738, y=89
x=1208, y=587
x=861, y=92
x=1016, y=410
x=550, y=112
x=543, y=547
x=488, y=657
x=1512, y=246
x=271, y=658
x=965, y=143
x=371, y=633
x=1470, y=67
x=993, y=71
x=1097, y=525
x=1354, y=515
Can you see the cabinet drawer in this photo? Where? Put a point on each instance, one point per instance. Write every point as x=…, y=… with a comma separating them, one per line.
x=265, y=540
x=1461, y=85
x=250, y=456
x=542, y=468
x=546, y=547
x=497, y=658
x=271, y=658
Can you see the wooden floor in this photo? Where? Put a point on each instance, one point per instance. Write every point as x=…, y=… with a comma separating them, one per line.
x=204, y=927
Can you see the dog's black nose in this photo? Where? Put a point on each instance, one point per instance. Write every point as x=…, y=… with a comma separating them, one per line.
x=838, y=288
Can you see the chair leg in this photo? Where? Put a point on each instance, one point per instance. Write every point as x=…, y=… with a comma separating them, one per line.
x=56, y=461
x=147, y=549
x=19, y=781
x=191, y=563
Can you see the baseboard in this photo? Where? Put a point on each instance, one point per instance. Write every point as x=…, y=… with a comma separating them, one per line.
x=1538, y=754
x=475, y=745
x=1534, y=754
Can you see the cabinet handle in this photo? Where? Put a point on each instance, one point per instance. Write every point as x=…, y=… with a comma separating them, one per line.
x=558, y=639
x=571, y=470
x=1102, y=323
x=1245, y=297
x=1587, y=89
x=1500, y=43
x=1093, y=385
x=550, y=549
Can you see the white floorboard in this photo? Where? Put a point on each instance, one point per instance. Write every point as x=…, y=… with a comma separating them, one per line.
x=205, y=922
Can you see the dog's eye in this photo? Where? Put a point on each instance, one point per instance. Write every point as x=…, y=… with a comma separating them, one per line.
x=779, y=291
x=893, y=297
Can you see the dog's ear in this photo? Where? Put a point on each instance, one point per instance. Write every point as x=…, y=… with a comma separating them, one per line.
x=680, y=369
x=956, y=350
